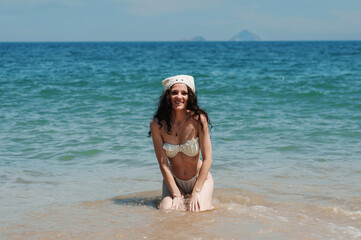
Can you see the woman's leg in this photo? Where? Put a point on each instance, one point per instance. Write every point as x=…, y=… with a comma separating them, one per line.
x=206, y=194
x=167, y=199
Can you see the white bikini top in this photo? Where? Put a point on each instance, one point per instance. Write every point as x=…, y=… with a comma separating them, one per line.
x=189, y=148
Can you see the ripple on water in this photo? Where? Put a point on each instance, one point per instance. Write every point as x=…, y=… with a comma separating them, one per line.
x=67, y=157
x=288, y=148
x=50, y=93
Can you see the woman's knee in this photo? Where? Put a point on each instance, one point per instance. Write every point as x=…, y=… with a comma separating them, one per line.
x=166, y=203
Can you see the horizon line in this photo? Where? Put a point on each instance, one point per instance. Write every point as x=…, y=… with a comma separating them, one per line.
x=154, y=41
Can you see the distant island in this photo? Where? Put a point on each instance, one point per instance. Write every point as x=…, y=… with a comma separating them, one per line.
x=198, y=39
x=245, y=35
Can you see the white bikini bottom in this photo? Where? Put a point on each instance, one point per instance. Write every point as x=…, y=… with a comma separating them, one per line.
x=186, y=185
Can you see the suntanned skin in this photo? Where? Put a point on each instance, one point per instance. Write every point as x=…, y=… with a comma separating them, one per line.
x=184, y=127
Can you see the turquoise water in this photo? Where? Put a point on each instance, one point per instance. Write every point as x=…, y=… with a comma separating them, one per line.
x=286, y=118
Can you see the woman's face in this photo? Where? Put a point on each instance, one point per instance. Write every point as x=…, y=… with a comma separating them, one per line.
x=179, y=96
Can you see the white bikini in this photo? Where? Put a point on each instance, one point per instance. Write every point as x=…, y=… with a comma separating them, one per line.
x=190, y=148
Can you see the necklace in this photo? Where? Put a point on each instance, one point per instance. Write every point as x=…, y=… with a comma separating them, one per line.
x=179, y=124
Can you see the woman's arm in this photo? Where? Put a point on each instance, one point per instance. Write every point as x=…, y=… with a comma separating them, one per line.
x=162, y=159
x=206, y=150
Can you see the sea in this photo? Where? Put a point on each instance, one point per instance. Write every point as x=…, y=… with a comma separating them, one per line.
x=76, y=161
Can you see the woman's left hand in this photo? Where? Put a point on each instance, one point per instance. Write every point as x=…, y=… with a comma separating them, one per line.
x=194, y=204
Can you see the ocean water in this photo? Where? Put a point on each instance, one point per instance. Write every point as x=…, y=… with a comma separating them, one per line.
x=76, y=162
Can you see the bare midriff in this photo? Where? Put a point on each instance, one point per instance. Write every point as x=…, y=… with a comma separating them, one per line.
x=185, y=167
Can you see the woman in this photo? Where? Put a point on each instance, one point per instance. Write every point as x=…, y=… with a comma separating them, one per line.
x=180, y=132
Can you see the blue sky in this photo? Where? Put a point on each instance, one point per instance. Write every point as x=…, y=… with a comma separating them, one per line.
x=169, y=20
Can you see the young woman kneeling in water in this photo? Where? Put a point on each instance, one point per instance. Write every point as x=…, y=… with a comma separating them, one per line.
x=180, y=132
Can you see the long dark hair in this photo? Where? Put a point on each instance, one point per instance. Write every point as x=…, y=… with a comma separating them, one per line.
x=164, y=111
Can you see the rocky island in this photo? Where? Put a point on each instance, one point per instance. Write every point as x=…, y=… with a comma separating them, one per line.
x=244, y=36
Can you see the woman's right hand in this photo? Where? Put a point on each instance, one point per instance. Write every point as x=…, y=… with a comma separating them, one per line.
x=178, y=203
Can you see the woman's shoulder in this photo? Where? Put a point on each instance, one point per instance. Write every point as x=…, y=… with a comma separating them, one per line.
x=202, y=124
x=155, y=124
x=200, y=116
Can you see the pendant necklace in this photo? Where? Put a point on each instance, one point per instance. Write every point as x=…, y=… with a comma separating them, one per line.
x=176, y=133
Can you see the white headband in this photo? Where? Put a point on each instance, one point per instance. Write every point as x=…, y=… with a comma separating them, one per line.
x=186, y=79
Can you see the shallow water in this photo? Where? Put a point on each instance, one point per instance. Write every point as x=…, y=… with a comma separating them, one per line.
x=237, y=214
x=76, y=162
